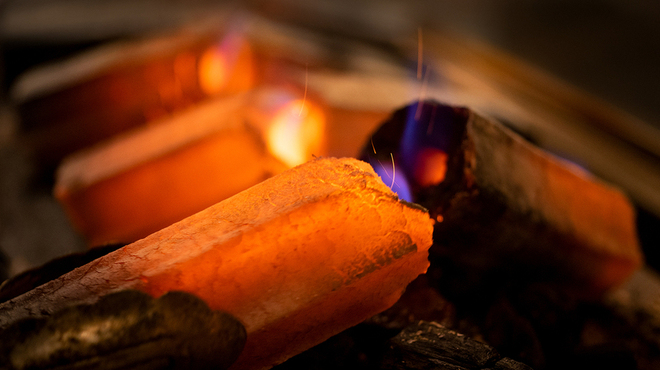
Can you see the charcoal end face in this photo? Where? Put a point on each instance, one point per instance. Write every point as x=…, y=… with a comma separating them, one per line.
x=413, y=135
x=482, y=238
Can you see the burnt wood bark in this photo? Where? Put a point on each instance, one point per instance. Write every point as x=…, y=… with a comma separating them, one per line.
x=428, y=345
x=126, y=330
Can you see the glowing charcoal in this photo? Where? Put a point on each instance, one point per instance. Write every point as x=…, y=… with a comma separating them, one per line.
x=502, y=204
x=129, y=187
x=296, y=258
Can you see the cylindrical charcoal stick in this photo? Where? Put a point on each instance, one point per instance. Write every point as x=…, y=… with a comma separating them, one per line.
x=297, y=258
x=505, y=207
x=131, y=186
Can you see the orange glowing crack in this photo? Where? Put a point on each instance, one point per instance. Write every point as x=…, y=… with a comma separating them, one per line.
x=430, y=167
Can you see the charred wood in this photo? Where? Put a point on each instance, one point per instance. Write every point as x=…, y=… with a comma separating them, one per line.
x=525, y=245
x=126, y=330
x=506, y=209
x=428, y=345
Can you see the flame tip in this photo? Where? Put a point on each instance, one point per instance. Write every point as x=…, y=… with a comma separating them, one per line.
x=296, y=132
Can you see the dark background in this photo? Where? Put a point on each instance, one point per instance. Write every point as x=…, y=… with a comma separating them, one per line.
x=610, y=48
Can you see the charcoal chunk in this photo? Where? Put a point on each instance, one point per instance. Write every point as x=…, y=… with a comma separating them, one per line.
x=428, y=345
x=126, y=330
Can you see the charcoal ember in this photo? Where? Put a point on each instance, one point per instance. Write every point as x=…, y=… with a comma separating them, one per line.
x=126, y=330
x=362, y=236
x=429, y=345
x=525, y=244
x=506, y=210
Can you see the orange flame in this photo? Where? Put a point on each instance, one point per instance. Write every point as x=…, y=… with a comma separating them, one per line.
x=227, y=68
x=296, y=132
x=212, y=71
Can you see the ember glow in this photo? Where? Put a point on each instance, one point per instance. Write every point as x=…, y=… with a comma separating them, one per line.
x=296, y=258
x=116, y=191
x=213, y=71
x=296, y=132
x=430, y=166
x=226, y=68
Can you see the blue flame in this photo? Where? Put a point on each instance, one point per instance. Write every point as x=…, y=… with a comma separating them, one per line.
x=428, y=125
x=399, y=185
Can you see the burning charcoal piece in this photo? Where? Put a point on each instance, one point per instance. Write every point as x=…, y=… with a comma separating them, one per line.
x=428, y=345
x=506, y=210
x=145, y=180
x=126, y=330
x=83, y=100
x=297, y=258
